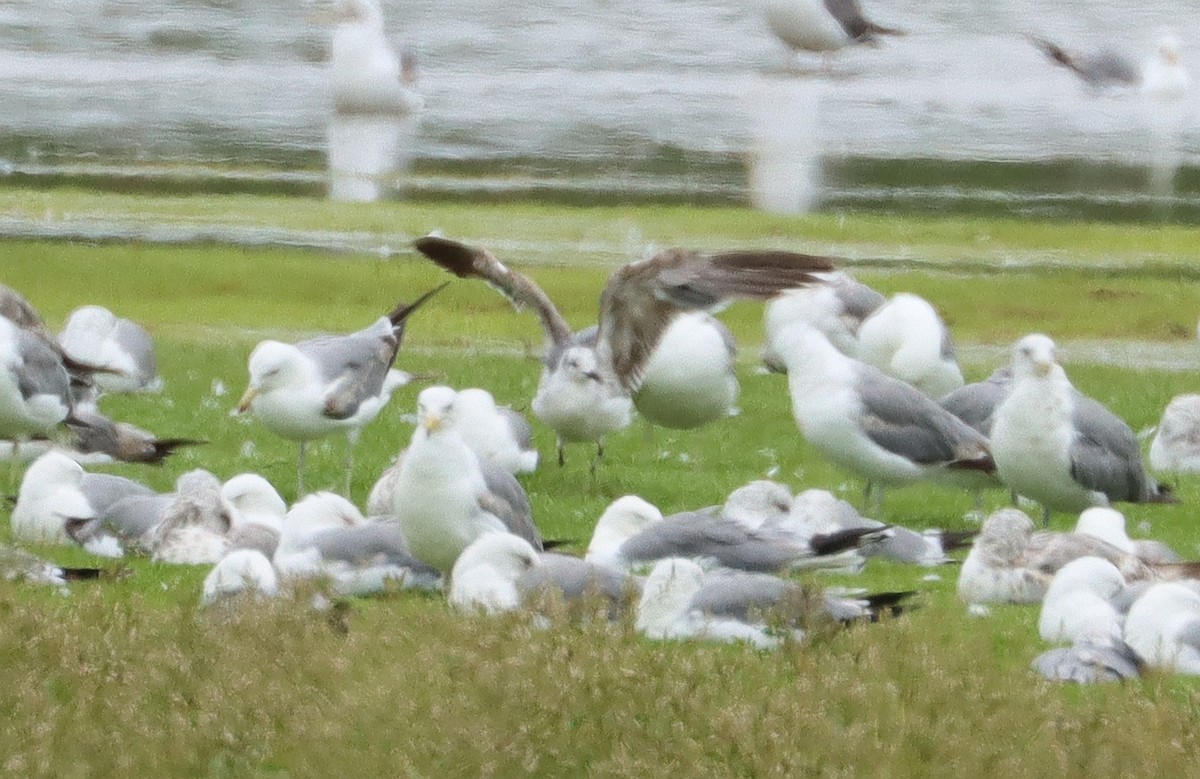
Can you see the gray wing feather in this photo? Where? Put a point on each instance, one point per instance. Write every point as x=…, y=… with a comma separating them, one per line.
x=132, y=517
x=373, y=542
x=1105, y=456
x=353, y=365
x=976, y=403
x=254, y=536
x=738, y=595
x=573, y=578
x=41, y=371
x=507, y=500
x=138, y=344
x=102, y=490
x=726, y=541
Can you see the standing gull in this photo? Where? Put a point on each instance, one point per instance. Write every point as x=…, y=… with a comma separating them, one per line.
x=1060, y=448
x=821, y=26
x=653, y=343
x=873, y=424
x=330, y=383
x=440, y=497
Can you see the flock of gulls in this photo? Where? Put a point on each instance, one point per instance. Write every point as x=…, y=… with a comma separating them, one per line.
x=873, y=385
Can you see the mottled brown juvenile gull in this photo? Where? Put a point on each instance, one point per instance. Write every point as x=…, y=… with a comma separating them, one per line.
x=653, y=342
x=440, y=497
x=327, y=384
x=877, y=426
x=822, y=26
x=1060, y=448
x=194, y=528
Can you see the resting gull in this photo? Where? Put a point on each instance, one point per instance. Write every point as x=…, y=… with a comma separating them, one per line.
x=907, y=339
x=97, y=438
x=1060, y=448
x=366, y=75
x=440, y=496
x=632, y=532
x=1161, y=75
x=240, y=573
x=194, y=527
x=49, y=497
x=1108, y=524
x=1163, y=627
x=680, y=601
x=821, y=26
x=873, y=424
x=836, y=307
x=1176, y=444
x=1010, y=563
x=501, y=571
x=330, y=383
x=325, y=535
x=121, y=347
x=259, y=512
x=1080, y=603
x=654, y=341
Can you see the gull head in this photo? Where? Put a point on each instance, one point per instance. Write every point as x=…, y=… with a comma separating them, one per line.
x=1004, y=536
x=436, y=408
x=1034, y=355
x=1107, y=524
x=484, y=576
x=319, y=511
x=240, y=571
x=253, y=496
x=475, y=402
x=666, y=594
x=625, y=517
x=753, y=503
x=581, y=365
x=359, y=12
x=1169, y=47
x=273, y=364
x=50, y=472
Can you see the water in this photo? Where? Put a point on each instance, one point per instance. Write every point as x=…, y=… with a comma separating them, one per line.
x=615, y=99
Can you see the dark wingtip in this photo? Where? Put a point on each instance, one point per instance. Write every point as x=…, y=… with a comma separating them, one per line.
x=555, y=543
x=82, y=574
x=953, y=540
x=983, y=464
x=403, y=311
x=165, y=447
x=841, y=540
x=1164, y=494
x=454, y=256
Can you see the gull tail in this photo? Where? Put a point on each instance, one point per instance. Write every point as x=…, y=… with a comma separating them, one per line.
x=841, y=540
x=982, y=462
x=1056, y=53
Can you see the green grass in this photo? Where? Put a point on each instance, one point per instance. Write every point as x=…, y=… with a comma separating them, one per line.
x=124, y=675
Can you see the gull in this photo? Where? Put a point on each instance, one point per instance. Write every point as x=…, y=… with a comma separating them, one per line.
x=1060, y=448
x=49, y=497
x=1010, y=563
x=193, y=529
x=633, y=532
x=35, y=390
x=821, y=26
x=875, y=425
x=1079, y=603
x=259, y=512
x=1087, y=662
x=96, y=439
x=123, y=526
x=440, y=497
x=1108, y=524
x=1176, y=444
x=121, y=347
x=239, y=573
x=313, y=388
x=497, y=434
x=976, y=403
x=836, y=307
x=325, y=535
x=654, y=342
x=907, y=339
x=102, y=490
x=1161, y=75
x=680, y=601
x=500, y=572
x=1163, y=627
x=19, y=565
x=366, y=75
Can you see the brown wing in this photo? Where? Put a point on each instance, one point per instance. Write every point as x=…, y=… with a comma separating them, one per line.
x=641, y=298
x=476, y=262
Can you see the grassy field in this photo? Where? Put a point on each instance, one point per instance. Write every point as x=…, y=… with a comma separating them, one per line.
x=124, y=675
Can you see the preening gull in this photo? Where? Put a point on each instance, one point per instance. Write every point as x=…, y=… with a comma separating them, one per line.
x=1161, y=75
x=1010, y=563
x=1163, y=627
x=1060, y=448
x=122, y=348
x=239, y=573
x=336, y=382
x=496, y=433
x=907, y=339
x=1176, y=444
x=1080, y=603
x=633, y=532
x=259, y=512
x=440, y=496
x=680, y=601
x=821, y=26
x=194, y=528
x=875, y=425
x=325, y=535
x=50, y=496
x=366, y=75
x=654, y=341
x=501, y=571
x=836, y=307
